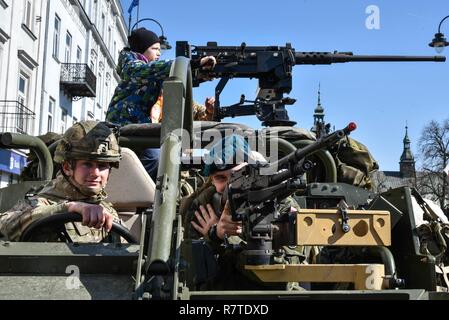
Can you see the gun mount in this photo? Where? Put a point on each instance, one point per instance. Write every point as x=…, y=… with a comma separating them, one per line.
x=253, y=195
x=273, y=67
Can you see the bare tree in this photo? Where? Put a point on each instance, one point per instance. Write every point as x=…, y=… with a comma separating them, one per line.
x=434, y=155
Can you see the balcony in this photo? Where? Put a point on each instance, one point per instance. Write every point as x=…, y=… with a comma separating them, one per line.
x=15, y=117
x=77, y=80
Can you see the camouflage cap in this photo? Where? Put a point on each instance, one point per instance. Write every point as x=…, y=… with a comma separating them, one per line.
x=88, y=140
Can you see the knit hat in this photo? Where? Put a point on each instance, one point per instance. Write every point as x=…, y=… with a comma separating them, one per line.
x=141, y=39
x=228, y=153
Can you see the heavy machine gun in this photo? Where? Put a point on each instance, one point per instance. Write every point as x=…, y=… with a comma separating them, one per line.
x=253, y=196
x=273, y=67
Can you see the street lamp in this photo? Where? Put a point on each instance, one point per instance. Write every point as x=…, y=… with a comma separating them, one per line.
x=163, y=40
x=439, y=42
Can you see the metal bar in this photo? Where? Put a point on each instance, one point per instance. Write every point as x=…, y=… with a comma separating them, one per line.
x=19, y=141
x=364, y=276
x=53, y=258
x=177, y=103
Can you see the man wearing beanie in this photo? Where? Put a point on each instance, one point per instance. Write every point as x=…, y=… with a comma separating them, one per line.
x=138, y=98
x=208, y=220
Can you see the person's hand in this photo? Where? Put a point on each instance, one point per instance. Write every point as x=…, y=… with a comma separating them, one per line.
x=206, y=219
x=226, y=226
x=94, y=216
x=208, y=63
x=156, y=113
x=210, y=103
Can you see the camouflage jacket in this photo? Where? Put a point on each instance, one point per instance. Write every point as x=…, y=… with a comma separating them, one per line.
x=50, y=200
x=140, y=88
x=229, y=273
x=206, y=197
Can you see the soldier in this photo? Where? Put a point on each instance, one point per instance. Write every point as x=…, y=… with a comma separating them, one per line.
x=138, y=98
x=206, y=219
x=87, y=152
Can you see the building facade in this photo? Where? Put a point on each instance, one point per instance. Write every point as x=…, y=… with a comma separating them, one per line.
x=405, y=177
x=57, y=66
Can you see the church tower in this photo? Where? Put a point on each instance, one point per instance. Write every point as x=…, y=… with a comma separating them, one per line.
x=407, y=163
x=319, y=126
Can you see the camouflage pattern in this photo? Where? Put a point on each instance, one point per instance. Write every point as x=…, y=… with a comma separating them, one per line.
x=200, y=112
x=205, y=197
x=354, y=163
x=228, y=261
x=30, y=172
x=140, y=88
x=50, y=200
x=88, y=140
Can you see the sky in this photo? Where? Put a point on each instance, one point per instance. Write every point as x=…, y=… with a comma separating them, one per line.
x=381, y=97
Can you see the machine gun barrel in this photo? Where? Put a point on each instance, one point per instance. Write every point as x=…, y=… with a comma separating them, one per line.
x=300, y=154
x=341, y=57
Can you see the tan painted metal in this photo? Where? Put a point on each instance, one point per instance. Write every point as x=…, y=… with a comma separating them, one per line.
x=323, y=227
x=364, y=276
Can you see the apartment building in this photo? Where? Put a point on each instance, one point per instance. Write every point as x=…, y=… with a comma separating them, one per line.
x=57, y=66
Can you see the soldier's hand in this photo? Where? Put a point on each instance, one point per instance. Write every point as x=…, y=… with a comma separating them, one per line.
x=210, y=103
x=206, y=219
x=208, y=63
x=226, y=226
x=94, y=216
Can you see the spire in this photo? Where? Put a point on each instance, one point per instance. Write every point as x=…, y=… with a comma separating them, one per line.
x=318, y=116
x=406, y=138
x=319, y=109
x=407, y=163
x=407, y=152
x=319, y=126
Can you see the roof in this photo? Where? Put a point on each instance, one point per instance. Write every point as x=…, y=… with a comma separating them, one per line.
x=385, y=180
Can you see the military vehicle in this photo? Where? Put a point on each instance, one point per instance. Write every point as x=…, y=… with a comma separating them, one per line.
x=371, y=247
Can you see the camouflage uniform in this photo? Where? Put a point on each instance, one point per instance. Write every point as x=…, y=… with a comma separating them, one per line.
x=86, y=140
x=50, y=200
x=225, y=155
x=228, y=260
x=139, y=89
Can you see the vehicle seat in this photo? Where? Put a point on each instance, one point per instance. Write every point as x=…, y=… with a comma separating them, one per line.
x=129, y=189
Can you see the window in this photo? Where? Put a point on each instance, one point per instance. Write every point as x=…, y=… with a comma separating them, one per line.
x=28, y=15
x=106, y=89
x=22, y=93
x=22, y=98
x=68, y=48
x=56, y=33
x=109, y=38
x=100, y=89
x=114, y=51
x=51, y=110
x=103, y=26
x=94, y=14
x=79, y=54
x=63, y=119
x=93, y=61
x=75, y=120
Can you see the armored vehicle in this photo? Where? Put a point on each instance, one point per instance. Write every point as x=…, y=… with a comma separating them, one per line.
x=370, y=246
